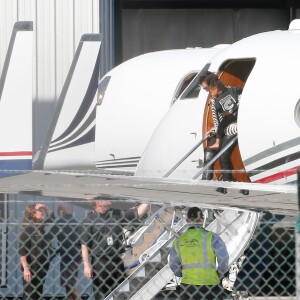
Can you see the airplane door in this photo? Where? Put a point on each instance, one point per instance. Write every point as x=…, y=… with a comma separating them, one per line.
x=233, y=72
x=268, y=118
x=177, y=133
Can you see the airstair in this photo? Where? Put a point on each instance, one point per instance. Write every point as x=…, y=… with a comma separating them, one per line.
x=147, y=262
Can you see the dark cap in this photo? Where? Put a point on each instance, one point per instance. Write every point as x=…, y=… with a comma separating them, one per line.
x=194, y=213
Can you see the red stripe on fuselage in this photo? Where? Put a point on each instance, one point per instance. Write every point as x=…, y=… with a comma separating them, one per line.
x=19, y=153
x=278, y=176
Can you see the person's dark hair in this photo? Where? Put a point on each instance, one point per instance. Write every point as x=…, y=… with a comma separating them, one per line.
x=213, y=81
x=28, y=213
x=194, y=213
x=62, y=209
x=204, y=76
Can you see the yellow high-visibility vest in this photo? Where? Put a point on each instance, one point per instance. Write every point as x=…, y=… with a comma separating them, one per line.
x=198, y=260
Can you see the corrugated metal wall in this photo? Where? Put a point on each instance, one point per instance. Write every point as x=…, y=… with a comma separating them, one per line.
x=58, y=27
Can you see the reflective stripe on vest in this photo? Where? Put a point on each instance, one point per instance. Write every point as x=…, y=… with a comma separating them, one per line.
x=198, y=265
x=197, y=257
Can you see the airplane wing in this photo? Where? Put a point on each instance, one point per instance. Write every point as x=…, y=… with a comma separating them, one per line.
x=278, y=199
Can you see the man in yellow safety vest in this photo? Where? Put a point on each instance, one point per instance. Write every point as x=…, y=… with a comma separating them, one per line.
x=200, y=257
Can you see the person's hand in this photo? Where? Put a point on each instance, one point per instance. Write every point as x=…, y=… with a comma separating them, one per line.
x=88, y=271
x=226, y=113
x=41, y=206
x=207, y=134
x=211, y=132
x=27, y=274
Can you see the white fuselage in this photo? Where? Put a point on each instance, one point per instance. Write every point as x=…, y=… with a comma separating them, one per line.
x=268, y=130
x=139, y=93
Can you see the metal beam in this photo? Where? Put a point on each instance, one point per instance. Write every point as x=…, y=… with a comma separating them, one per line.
x=215, y=4
x=108, y=27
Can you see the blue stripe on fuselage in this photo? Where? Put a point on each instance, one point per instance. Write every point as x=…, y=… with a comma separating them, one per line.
x=13, y=167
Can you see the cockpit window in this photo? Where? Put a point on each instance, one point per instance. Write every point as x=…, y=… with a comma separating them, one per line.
x=183, y=84
x=192, y=91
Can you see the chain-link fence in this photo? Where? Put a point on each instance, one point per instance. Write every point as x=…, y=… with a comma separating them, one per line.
x=77, y=253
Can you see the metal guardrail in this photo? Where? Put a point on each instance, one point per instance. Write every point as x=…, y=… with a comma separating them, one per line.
x=215, y=158
x=185, y=157
x=167, y=174
x=135, y=236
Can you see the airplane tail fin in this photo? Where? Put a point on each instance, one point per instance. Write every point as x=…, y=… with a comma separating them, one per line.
x=16, y=102
x=71, y=137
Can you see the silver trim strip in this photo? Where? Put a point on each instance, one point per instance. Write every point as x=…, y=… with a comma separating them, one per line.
x=272, y=151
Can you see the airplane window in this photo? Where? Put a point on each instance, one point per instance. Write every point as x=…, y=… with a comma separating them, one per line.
x=183, y=85
x=297, y=113
x=102, y=89
x=192, y=91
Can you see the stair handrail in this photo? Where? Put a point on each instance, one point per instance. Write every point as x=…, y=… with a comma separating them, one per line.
x=215, y=158
x=122, y=284
x=185, y=157
x=157, y=242
x=132, y=239
x=165, y=236
x=167, y=227
x=172, y=222
x=227, y=226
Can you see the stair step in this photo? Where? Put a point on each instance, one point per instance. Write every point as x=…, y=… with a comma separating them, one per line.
x=152, y=268
x=139, y=276
x=125, y=287
x=151, y=237
x=166, y=216
x=137, y=282
x=137, y=251
x=122, y=296
x=139, y=273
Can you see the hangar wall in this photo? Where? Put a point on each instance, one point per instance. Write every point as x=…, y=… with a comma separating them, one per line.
x=160, y=29
x=58, y=27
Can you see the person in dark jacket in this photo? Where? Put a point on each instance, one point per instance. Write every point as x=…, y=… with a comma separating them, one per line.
x=66, y=231
x=101, y=235
x=34, y=247
x=224, y=106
